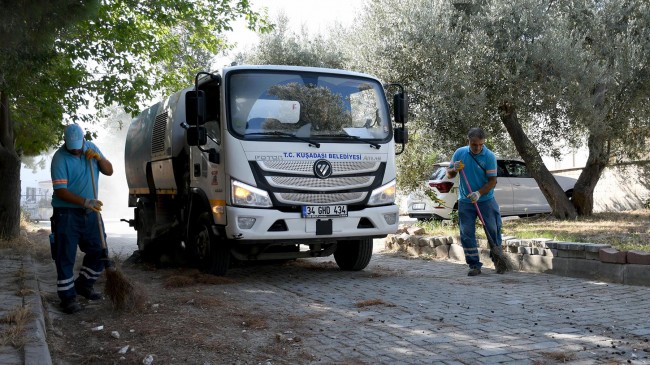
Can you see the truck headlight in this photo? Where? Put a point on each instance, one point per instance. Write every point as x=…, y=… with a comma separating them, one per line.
x=383, y=195
x=248, y=196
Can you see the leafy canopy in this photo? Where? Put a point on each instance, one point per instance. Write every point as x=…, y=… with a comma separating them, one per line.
x=96, y=54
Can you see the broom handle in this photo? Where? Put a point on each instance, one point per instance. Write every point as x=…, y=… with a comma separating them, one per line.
x=480, y=216
x=478, y=210
x=99, y=215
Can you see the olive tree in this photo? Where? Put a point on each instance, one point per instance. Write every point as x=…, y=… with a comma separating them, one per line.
x=535, y=74
x=282, y=46
x=336, y=48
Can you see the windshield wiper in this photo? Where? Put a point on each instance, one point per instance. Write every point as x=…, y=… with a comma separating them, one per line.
x=357, y=138
x=285, y=134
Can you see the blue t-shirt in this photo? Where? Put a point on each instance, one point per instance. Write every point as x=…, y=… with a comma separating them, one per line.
x=476, y=176
x=73, y=173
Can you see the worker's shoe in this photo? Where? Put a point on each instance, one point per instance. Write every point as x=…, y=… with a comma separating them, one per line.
x=70, y=306
x=88, y=293
x=473, y=272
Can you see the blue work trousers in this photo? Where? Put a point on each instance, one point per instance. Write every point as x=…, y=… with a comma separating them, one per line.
x=74, y=227
x=467, y=215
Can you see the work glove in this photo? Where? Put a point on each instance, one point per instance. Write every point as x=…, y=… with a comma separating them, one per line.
x=91, y=153
x=474, y=196
x=93, y=204
x=458, y=165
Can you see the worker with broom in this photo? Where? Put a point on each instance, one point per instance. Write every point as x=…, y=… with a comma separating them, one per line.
x=478, y=167
x=76, y=220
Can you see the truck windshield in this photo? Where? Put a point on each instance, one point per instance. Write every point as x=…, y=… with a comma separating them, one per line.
x=306, y=105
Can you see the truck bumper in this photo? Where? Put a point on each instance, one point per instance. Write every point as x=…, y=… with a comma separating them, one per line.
x=272, y=224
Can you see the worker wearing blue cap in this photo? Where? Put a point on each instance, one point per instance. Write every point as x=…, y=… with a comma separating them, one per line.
x=74, y=220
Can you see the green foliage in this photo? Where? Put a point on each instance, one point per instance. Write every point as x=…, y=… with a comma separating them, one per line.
x=147, y=49
x=340, y=49
x=433, y=196
x=439, y=228
x=573, y=70
x=453, y=217
x=284, y=47
x=416, y=163
x=28, y=30
x=84, y=55
x=33, y=75
x=61, y=60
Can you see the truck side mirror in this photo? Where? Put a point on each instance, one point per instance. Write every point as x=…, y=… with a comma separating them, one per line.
x=195, y=107
x=400, y=107
x=196, y=136
x=401, y=135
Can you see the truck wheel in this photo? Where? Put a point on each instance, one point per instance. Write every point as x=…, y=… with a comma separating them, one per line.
x=353, y=255
x=212, y=254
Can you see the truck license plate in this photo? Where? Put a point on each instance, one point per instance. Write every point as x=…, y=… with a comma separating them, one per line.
x=323, y=211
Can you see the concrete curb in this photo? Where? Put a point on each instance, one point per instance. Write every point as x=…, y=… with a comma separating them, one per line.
x=36, y=349
x=571, y=259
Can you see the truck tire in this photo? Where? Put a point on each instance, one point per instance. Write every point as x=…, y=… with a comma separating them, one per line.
x=353, y=255
x=143, y=228
x=212, y=255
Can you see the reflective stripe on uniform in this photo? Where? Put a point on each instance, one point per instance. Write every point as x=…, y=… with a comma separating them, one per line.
x=63, y=285
x=89, y=274
x=472, y=251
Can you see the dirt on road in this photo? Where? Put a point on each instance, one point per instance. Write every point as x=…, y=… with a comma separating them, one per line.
x=187, y=318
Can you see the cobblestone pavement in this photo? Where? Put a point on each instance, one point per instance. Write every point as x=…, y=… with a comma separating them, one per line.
x=412, y=311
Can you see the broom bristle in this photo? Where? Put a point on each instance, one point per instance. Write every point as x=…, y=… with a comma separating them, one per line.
x=120, y=291
x=503, y=261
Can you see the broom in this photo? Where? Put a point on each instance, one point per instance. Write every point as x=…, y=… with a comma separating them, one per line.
x=118, y=288
x=501, y=262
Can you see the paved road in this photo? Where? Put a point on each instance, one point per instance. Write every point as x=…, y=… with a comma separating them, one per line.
x=412, y=311
x=121, y=239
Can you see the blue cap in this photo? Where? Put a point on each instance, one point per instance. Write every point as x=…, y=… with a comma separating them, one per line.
x=74, y=137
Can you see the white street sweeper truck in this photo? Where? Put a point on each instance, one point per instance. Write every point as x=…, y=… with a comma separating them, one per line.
x=267, y=163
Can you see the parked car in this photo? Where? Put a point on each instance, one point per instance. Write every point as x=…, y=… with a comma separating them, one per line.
x=516, y=192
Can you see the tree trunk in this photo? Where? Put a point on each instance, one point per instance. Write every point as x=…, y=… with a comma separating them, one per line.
x=559, y=202
x=9, y=175
x=583, y=192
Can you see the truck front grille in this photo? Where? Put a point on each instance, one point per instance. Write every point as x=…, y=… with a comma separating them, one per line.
x=316, y=184
x=321, y=199
x=294, y=182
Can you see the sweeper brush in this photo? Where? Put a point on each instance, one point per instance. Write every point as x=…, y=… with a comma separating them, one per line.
x=121, y=291
x=502, y=262
x=118, y=287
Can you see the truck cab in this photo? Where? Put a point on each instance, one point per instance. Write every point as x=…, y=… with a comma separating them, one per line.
x=267, y=162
